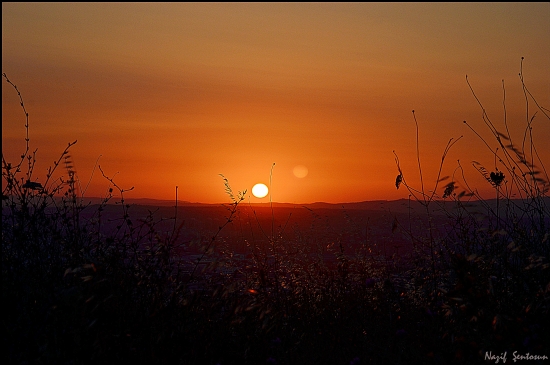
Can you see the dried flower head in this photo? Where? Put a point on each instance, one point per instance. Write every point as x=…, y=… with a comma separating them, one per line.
x=398, y=180
x=497, y=178
x=449, y=188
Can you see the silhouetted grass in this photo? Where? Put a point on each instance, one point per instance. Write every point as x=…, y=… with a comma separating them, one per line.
x=79, y=287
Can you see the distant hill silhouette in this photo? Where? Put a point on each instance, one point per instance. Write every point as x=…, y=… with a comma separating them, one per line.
x=394, y=206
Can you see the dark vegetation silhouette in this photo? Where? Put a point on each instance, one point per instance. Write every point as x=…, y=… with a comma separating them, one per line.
x=81, y=285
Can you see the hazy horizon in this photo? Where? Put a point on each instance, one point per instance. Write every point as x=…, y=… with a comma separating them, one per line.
x=365, y=204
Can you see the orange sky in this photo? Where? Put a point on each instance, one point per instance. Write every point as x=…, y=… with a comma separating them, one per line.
x=176, y=94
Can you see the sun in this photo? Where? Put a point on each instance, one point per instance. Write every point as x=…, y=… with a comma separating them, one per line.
x=259, y=190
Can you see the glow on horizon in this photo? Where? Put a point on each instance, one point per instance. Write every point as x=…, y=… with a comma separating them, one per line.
x=177, y=93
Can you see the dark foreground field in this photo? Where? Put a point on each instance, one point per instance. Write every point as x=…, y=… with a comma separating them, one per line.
x=379, y=282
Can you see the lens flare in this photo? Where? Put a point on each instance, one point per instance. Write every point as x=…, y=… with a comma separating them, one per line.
x=300, y=171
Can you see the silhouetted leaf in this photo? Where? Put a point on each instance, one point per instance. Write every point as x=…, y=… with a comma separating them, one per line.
x=398, y=180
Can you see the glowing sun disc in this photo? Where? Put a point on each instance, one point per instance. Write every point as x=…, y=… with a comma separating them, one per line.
x=259, y=190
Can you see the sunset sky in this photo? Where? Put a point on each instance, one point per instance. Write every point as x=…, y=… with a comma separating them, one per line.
x=177, y=93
